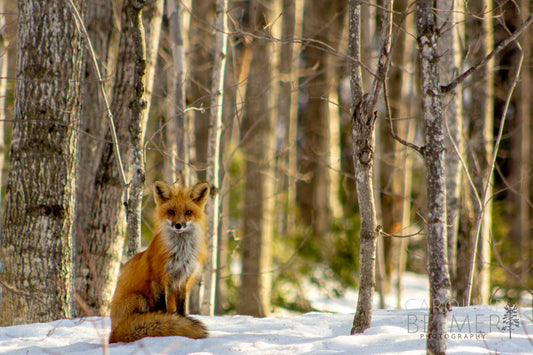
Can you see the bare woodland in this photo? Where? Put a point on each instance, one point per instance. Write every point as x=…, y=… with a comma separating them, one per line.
x=345, y=143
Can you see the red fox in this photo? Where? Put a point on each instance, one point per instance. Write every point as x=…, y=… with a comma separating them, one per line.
x=153, y=286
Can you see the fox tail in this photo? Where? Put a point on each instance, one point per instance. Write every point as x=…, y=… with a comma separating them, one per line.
x=156, y=324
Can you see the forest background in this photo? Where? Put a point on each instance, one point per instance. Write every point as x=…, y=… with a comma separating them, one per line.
x=263, y=111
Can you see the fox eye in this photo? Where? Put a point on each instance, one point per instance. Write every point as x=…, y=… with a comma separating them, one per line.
x=188, y=212
x=171, y=212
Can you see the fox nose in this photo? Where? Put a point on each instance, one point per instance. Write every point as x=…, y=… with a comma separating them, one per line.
x=178, y=226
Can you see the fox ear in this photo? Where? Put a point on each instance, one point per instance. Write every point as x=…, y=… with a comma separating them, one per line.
x=161, y=191
x=199, y=193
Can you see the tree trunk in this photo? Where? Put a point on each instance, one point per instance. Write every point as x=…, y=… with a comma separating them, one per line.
x=323, y=22
x=200, y=59
x=104, y=233
x=363, y=119
x=37, y=217
x=207, y=301
x=288, y=103
x=400, y=94
x=434, y=157
x=481, y=117
x=3, y=93
x=177, y=128
x=146, y=44
x=450, y=66
x=525, y=154
x=259, y=152
x=103, y=31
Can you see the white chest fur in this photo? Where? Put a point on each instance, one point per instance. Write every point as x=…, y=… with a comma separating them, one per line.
x=184, y=247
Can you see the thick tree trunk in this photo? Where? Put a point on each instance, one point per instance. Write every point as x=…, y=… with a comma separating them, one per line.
x=259, y=151
x=434, y=157
x=37, y=217
x=104, y=32
x=104, y=234
x=323, y=22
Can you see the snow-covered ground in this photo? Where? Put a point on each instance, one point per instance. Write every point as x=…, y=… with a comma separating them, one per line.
x=471, y=330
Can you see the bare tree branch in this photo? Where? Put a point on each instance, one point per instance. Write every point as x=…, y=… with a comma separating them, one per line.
x=447, y=88
x=81, y=27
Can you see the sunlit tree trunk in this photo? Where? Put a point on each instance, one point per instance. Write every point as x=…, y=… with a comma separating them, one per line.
x=288, y=103
x=259, y=152
x=38, y=213
x=177, y=129
x=207, y=301
x=103, y=26
x=363, y=119
x=146, y=33
x=434, y=157
x=105, y=231
x=450, y=66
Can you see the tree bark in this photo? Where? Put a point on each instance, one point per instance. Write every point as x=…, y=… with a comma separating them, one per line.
x=37, y=217
x=323, y=22
x=525, y=152
x=104, y=234
x=102, y=24
x=177, y=129
x=207, y=303
x=450, y=63
x=139, y=105
x=200, y=59
x=3, y=92
x=363, y=119
x=481, y=118
x=434, y=158
x=288, y=103
x=259, y=152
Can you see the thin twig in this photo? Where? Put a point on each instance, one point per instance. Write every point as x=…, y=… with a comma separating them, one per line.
x=489, y=177
x=447, y=88
x=385, y=234
x=417, y=148
x=85, y=34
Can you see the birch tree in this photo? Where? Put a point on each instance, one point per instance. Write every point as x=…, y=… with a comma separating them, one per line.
x=434, y=154
x=207, y=303
x=37, y=218
x=363, y=119
x=450, y=24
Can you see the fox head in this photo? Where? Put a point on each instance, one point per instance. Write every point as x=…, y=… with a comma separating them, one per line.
x=180, y=209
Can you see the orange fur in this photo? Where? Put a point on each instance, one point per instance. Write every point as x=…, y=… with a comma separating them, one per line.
x=153, y=287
